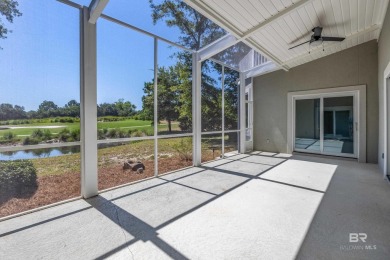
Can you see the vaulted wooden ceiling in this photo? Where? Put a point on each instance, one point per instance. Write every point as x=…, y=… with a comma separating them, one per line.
x=272, y=27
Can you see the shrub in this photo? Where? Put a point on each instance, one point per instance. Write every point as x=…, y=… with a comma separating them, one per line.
x=120, y=133
x=17, y=179
x=75, y=134
x=47, y=135
x=149, y=132
x=100, y=134
x=37, y=133
x=137, y=133
x=112, y=118
x=184, y=149
x=30, y=141
x=111, y=133
x=131, y=131
x=64, y=135
x=9, y=136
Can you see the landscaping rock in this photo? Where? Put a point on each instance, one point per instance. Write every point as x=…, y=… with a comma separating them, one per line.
x=138, y=165
x=140, y=170
x=134, y=166
x=126, y=166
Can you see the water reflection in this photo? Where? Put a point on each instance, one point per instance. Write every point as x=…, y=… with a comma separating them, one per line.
x=38, y=153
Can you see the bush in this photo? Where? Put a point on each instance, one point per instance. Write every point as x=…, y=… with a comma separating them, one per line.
x=111, y=133
x=131, y=131
x=149, y=132
x=9, y=136
x=30, y=141
x=137, y=133
x=47, y=135
x=184, y=149
x=17, y=179
x=64, y=135
x=75, y=134
x=37, y=133
x=112, y=118
x=64, y=120
x=101, y=135
x=120, y=133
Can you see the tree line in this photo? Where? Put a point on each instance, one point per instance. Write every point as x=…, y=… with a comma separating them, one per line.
x=71, y=109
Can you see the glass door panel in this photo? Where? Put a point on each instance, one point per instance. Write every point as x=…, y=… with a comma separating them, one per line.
x=338, y=125
x=307, y=125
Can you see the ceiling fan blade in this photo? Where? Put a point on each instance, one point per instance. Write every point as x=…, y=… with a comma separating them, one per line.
x=300, y=38
x=299, y=45
x=333, y=39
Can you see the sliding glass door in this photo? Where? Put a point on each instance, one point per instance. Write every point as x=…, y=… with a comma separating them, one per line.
x=325, y=124
x=307, y=125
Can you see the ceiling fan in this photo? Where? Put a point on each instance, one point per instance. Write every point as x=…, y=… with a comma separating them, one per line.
x=317, y=37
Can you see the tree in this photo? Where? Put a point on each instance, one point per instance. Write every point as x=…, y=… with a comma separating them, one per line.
x=148, y=101
x=198, y=31
x=211, y=94
x=168, y=103
x=8, y=111
x=106, y=109
x=8, y=9
x=231, y=99
x=119, y=108
x=124, y=108
x=72, y=109
x=47, y=109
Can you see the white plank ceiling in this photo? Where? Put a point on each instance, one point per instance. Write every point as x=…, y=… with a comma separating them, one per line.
x=277, y=25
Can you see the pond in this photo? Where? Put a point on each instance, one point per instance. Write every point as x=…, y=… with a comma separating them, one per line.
x=38, y=153
x=49, y=152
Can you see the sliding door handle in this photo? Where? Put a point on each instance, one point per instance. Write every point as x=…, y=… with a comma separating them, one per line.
x=356, y=126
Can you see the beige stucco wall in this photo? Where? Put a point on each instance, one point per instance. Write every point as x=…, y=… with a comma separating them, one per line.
x=383, y=61
x=355, y=66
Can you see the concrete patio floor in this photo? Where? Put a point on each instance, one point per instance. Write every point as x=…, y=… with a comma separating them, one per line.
x=257, y=206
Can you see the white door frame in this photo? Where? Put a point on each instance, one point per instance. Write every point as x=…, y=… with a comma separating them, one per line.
x=249, y=127
x=359, y=92
x=386, y=106
x=321, y=97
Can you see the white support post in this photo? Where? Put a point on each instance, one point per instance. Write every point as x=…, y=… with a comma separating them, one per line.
x=155, y=93
x=321, y=124
x=88, y=107
x=223, y=112
x=242, y=113
x=196, y=109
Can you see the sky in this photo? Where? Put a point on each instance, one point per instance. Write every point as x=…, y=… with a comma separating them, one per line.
x=40, y=59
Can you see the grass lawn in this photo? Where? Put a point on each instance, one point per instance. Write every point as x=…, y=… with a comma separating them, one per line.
x=27, y=129
x=141, y=150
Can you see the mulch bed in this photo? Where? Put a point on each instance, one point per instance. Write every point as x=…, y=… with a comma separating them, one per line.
x=55, y=188
x=51, y=189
